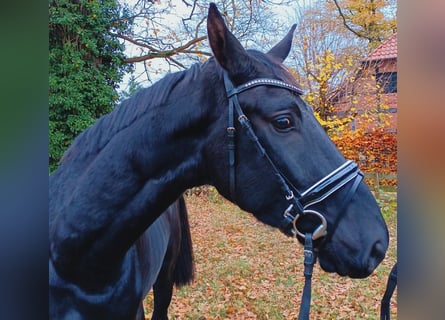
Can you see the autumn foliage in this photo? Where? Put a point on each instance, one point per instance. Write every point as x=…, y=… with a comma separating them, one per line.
x=247, y=270
x=375, y=151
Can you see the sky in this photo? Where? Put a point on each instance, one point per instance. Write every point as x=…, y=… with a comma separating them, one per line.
x=181, y=11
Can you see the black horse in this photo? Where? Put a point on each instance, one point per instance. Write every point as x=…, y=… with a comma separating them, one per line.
x=236, y=122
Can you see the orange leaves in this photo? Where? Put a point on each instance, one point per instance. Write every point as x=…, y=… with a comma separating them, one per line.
x=246, y=270
x=375, y=151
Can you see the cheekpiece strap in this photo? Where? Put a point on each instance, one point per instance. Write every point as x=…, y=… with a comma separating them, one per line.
x=235, y=107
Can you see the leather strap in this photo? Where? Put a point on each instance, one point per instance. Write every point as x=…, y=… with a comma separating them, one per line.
x=390, y=287
x=310, y=258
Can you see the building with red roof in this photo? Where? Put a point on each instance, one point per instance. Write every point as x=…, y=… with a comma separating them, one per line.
x=386, y=51
x=372, y=97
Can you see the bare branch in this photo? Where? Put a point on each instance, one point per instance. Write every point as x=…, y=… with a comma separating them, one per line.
x=134, y=41
x=340, y=12
x=167, y=53
x=176, y=62
x=188, y=4
x=159, y=37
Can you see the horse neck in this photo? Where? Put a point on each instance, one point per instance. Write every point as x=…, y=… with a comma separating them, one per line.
x=130, y=182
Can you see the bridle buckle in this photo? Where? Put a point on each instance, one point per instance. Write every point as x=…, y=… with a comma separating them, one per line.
x=289, y=196
x=231, y=130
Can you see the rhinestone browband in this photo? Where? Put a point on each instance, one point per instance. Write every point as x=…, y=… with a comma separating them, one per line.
x=264, y=82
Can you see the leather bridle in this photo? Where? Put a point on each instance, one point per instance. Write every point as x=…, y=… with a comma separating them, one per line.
x=300, y=203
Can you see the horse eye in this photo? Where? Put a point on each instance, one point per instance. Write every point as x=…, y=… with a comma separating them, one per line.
x=283, y=123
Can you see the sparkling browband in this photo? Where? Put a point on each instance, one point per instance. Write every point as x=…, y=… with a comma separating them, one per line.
x=264, y=82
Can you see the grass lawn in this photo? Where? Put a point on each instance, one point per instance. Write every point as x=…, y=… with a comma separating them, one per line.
x=246, y=270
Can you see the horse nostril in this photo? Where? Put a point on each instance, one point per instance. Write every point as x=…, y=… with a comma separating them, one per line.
x=378, y=250
x=376, y=256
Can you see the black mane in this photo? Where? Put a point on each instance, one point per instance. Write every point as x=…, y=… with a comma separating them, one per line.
x=93, y=139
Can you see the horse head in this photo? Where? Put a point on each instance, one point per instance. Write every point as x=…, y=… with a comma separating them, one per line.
x=268, y=154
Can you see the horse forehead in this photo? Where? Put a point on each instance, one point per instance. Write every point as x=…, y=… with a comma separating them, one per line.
x=272, y=68
x=269, y=98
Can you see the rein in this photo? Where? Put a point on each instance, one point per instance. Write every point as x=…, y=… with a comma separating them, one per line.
x=299, y=203
x=390, y=287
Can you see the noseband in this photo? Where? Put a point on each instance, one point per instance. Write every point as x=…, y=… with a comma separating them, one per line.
x=300, y=203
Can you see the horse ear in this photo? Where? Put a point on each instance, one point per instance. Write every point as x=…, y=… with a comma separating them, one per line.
x=281, y=49
x=227, y=50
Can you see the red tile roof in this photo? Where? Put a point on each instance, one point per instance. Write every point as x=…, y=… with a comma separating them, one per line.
x=387, y=50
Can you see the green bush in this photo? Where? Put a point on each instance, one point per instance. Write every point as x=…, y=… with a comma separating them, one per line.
x=86, y=64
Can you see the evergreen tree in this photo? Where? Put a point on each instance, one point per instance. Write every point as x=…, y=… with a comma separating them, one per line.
x=86, y=65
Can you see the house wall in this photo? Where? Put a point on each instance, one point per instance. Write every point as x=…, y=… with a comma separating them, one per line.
x=371, y=107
